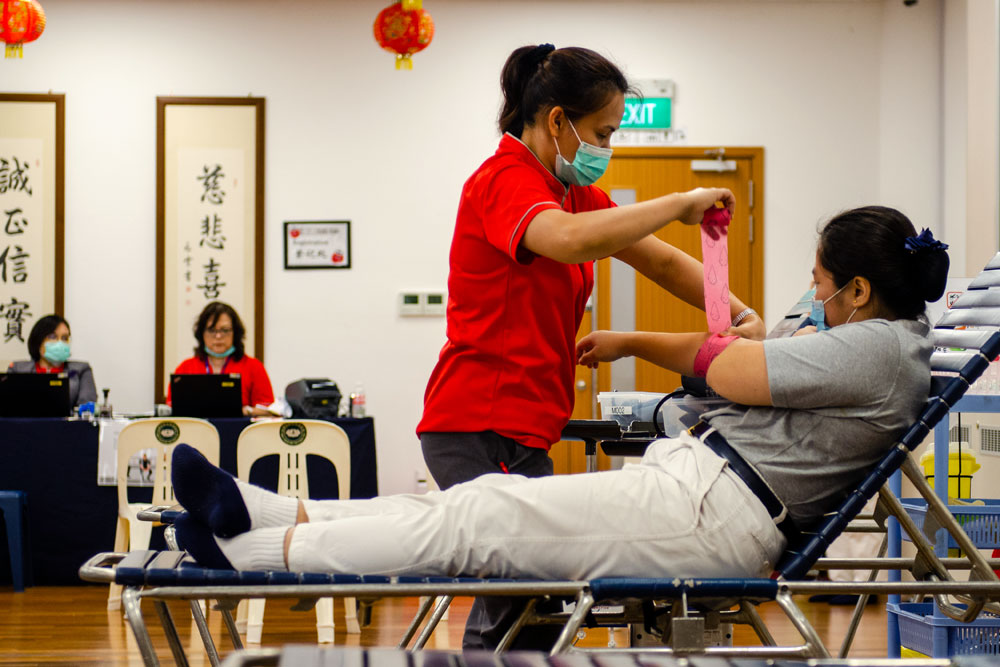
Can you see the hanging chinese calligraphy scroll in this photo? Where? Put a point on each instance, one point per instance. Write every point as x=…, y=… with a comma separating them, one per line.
x=209, y=220
x=31, y=216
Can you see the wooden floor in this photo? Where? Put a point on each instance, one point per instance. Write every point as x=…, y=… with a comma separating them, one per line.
x=71, y=626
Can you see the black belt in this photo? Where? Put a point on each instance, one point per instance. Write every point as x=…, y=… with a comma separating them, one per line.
x=714, y=441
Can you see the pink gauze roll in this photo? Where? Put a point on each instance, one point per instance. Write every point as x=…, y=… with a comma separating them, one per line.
x=709, y=350
x=715, y=262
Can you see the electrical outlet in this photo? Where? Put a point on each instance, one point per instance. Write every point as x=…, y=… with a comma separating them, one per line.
x=434, y=303
x=410, y=304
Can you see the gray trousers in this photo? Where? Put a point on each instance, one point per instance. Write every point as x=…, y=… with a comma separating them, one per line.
x=453, y=458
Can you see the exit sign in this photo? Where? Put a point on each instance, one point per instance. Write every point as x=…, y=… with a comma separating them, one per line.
x=648, y=113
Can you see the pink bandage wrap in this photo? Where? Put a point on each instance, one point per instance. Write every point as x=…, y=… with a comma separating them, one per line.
x=709, y=350
x=715, y=261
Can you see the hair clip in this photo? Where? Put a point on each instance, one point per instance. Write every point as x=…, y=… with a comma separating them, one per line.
x=924, y=242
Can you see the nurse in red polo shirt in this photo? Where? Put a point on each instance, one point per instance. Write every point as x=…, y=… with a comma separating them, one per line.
x=530, y=225
x=220, y=333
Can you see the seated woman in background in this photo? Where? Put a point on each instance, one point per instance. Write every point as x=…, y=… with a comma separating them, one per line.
x=809, y=415
x=48, y=345
x=220, y=335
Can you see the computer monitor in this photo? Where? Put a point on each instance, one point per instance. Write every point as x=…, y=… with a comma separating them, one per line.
x=206, y=395
x=34, y=395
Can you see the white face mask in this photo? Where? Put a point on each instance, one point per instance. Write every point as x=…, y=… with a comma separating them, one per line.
x=818, y=312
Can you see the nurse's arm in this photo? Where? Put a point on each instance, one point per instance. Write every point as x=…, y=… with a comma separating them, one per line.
x=573, y=238
x=681, y=275
x=739, y=373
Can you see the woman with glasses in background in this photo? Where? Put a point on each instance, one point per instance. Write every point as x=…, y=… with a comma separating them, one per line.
x=49, y=347
x=219, y=333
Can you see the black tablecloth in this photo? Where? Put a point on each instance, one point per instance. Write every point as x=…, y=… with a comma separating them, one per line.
x=70, y=517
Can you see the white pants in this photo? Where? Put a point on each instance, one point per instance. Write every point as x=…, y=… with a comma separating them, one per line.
x=679, y=512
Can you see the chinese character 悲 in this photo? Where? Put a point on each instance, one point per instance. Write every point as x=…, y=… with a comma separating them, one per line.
x=212, y=282
x=16, y=261
x=211, y=232
x=14, y=312
x=211, y=190
x=13, y=225
x=16, y=179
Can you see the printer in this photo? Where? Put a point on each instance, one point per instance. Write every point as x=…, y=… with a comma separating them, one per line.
x=317, y=398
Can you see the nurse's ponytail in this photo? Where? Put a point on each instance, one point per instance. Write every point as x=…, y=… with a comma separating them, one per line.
x=537, y=78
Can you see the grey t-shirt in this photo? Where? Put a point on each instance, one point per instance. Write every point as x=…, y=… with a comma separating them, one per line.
x=841, y=398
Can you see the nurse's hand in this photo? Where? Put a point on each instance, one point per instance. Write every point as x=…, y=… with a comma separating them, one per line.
x=600, y=346
x=700, y=200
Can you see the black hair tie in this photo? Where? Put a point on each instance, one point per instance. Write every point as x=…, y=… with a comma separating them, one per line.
x=538, y=54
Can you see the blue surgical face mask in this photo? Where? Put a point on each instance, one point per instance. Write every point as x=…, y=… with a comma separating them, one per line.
x=818, y=312
x=56, y=352
x=589, y=164
x=220, y=355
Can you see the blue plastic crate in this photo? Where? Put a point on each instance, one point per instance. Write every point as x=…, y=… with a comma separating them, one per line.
x=981, y=522
x=916, y=619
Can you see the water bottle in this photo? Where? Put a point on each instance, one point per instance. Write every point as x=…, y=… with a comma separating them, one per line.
x=358, y=401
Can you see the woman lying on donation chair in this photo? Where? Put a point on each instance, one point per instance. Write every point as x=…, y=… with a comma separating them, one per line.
x=48, y=345
x=810, y=414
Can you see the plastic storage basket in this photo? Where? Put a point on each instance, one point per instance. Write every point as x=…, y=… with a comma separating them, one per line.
x=980, y=522
x=626, y=407
x=917, y=627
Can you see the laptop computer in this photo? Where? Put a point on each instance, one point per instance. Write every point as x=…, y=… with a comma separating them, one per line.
x=206, y=395
x=34, y=395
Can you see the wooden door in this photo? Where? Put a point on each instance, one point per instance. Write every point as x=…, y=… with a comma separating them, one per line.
x=653, y=172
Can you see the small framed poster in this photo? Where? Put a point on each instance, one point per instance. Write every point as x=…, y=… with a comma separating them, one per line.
x=318, y=244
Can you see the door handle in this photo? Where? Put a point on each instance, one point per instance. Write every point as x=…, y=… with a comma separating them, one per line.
x=581, y=385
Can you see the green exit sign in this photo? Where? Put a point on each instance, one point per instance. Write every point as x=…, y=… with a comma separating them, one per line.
x=648, y=113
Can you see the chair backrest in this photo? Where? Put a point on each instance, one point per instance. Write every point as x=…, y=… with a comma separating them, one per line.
x=961, y=356
x=293, y=441
x=162, y=435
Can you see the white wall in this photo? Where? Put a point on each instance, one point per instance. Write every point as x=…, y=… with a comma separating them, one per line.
x=843, y=95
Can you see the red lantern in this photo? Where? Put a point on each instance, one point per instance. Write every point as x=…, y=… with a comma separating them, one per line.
x=404, y=28
x=20, y=21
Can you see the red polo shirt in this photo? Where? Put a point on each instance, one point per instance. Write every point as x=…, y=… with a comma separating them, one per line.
x=508, y=364
x=255, y=384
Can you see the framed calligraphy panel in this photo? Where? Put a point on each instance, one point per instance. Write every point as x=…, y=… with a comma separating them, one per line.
x=32, y=178
x=209, y=220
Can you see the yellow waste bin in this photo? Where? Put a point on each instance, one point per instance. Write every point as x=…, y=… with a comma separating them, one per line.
x=960, y=470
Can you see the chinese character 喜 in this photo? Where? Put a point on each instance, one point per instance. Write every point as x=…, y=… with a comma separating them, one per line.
x=212, y=282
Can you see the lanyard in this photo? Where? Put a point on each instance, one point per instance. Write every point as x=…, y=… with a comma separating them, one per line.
x=208, y=366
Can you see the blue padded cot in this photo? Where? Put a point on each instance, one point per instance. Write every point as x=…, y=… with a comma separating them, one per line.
x=163, y=576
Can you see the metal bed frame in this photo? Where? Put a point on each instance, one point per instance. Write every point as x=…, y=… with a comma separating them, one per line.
x=664, y=608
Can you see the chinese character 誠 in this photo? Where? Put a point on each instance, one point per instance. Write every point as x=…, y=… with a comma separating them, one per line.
x=211, y=188
x=15, y=223
x=14, y=313
x=14, y=176
x=16, y=261
x=211, y=232
x=210, y=288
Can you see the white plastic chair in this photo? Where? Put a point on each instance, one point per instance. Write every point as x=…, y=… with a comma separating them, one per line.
x=293, y=441
x=160, y=435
